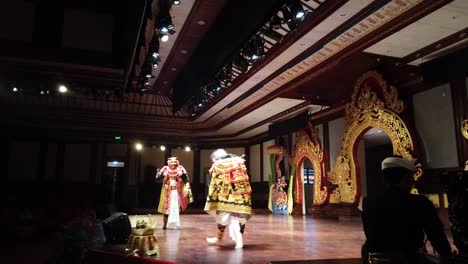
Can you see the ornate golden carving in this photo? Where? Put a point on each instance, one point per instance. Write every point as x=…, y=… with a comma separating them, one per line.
x=309, y=147
x=464, y=128
x=373, y=104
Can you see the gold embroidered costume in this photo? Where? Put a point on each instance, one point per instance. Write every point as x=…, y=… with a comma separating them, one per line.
x=229, y=196
x=229, y=189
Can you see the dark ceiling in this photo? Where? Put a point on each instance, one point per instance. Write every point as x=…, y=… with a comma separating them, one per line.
x=99, y=50
x=237, y=22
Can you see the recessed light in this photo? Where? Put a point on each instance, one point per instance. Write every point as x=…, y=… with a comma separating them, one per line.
x=62, y=88
x=164, y=38
x=183, y=51
x=173, y=69
x=165, y=82
x=201, y=22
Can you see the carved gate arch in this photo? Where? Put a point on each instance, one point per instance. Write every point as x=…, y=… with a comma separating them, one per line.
x=307, y=145
x=373, y=104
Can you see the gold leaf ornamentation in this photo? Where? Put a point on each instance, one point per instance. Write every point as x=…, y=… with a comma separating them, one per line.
x=464, y=128
x=373, y=104
x=308, y=146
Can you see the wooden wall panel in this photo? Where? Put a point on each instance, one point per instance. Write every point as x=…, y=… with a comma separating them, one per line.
x=51, y=162
x=254, y=170
x=433, y=115
x=77, y=162
x=336, y=130
x=23, y=161
x=266, y=160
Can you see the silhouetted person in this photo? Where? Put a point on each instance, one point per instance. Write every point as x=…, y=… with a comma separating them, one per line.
x=396, y=221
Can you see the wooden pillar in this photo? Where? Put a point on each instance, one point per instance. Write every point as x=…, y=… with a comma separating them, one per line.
x=460, y=113
x=41, y=166
x=60, y=162
x=326, y=147
x=93, y=163
x=261, y=162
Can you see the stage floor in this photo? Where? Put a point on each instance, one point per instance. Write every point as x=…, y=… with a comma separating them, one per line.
x=267, y=238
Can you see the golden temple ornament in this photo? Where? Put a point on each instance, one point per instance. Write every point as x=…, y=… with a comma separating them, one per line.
x=373, y=104
x=464, y=128
x=307, y=146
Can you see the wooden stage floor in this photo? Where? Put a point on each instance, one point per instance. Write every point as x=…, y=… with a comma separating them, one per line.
x=268, y=238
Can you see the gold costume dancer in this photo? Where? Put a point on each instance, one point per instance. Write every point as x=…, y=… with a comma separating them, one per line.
x=229, y=196
x=175, y=193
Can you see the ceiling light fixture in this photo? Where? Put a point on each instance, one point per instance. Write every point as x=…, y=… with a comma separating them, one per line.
x=291, y=13
x=62, y=88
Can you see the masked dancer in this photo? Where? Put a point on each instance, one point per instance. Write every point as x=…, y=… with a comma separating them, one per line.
x=175, y=193
x=229, y=196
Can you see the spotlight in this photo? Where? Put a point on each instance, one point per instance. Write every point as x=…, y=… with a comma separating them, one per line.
x=62, y=89
x=287, y=15
x=164, y=30
x=275, y=22
x=269, y=32
x=138, y=146
x=164, y=23
x=241, y=63
x=255, y=49
x=164, y=38
x=296, y=9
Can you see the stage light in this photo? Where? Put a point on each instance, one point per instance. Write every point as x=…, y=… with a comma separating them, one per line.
x=287, y=15
x=62, y=89
x=296, y=9
x=241, y=63
x=256, y=48
x=138, y=146
x=269, y=32
x=164, y=30
x=275, y=22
